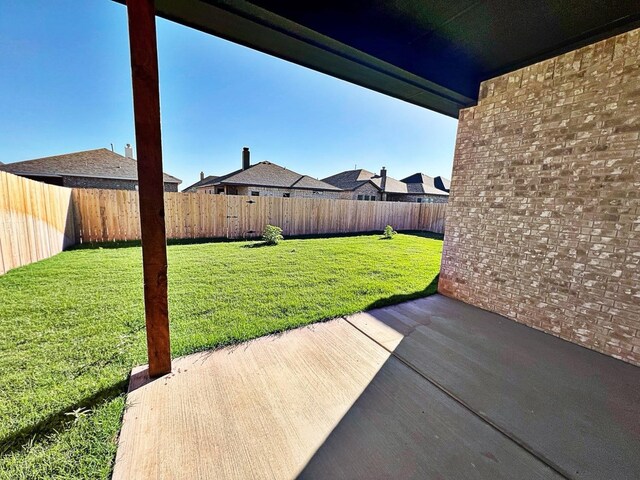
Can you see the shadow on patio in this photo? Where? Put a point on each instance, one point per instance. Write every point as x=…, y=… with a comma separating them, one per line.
x=431, y=388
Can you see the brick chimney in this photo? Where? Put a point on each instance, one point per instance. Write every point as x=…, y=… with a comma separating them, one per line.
x=383, y=176
x=383, y=182
x=201, y=176
x=246, y=158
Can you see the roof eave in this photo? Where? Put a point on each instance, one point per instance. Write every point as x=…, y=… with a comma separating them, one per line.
x=56, y=175
x=258, y=28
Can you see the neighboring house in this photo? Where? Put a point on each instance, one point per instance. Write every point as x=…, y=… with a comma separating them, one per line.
x=439, y=183
x=423, y=188
x=203, y=180
x=365, y=185
x=99, y=168
x=357, y=184
x=269, y=180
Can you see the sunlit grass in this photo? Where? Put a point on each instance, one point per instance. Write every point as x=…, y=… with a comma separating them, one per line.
x=72, y=326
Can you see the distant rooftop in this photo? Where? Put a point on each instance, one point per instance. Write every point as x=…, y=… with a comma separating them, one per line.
x=269, y=174
x=420, y=182
x=99, y=163
x=352, y=179
x=205, y=181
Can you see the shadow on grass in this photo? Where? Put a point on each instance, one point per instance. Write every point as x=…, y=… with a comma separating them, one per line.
x=405, y=297
x=138, y=243
x=417, y=233
x=258, y=245
x=58, y=421
x=197, y=241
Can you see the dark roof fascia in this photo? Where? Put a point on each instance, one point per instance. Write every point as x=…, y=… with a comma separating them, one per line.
x=59, y=175
x=31, y=174
x=258, y=28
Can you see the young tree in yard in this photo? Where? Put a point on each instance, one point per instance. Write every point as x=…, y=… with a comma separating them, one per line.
x=388, y=233
x=272, y=235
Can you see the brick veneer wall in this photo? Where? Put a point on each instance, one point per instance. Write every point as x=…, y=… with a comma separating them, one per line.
x=543, y=222
x=364, y=189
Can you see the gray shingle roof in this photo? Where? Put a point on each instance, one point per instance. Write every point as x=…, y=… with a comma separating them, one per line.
x=392, y=185
x=352, y=179
x=421, y=183
x=267, y=174
x=418, y=188
x=443, y=183
x=100, y=163
x=205, y=181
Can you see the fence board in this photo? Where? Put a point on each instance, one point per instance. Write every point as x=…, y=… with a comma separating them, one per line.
x=36, y=221
x=103, y=215
x=39, y=220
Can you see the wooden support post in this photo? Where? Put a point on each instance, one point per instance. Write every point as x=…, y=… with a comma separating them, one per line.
x=146, y=107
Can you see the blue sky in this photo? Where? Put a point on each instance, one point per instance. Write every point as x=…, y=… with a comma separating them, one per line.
x=65, y=86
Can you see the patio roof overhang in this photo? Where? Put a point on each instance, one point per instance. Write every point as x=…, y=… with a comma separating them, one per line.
x=432, y=54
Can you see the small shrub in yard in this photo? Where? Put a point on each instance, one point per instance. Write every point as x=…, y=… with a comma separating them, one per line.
x=272, y=235
x=389, y=232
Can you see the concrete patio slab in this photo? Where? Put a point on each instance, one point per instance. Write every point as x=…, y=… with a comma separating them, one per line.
x=258, y=410
x=427, y=389
x=577, y=409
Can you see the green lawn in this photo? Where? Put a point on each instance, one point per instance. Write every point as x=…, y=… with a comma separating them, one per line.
x=72, y=326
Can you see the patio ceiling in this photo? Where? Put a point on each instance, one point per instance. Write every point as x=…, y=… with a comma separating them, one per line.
x=430, y=53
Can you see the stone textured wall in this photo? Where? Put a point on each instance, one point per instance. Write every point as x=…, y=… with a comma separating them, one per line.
x=109, y=183
x=364, y=189
x=543, y=222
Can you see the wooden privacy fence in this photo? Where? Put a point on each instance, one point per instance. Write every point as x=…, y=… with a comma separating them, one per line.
x=36, y=221
x=39, y=220
x=108, y=215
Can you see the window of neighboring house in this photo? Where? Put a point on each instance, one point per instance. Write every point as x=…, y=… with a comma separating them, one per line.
x=419, y=200
x=286, y=195
x=360, y=197
x=255, y=194
x=219, y=191
x=373, y=198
